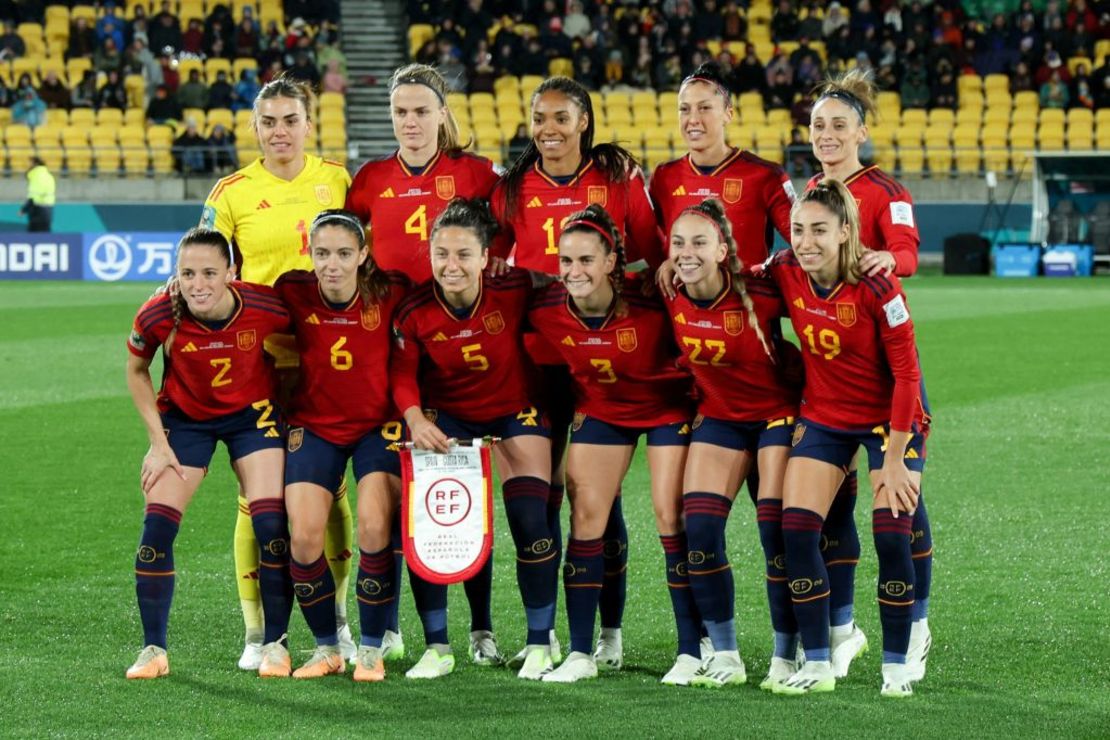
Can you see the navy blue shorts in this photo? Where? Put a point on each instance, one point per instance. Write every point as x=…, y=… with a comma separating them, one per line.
x=312, y=459
x=526, y=421
x=746, y=436
x=838, y=447
x=592, y=431
x=256, y=427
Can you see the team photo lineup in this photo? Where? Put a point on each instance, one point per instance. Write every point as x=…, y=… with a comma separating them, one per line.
x=563, y=310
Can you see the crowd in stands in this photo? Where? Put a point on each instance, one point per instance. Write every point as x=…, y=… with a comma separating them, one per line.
x=916, y=48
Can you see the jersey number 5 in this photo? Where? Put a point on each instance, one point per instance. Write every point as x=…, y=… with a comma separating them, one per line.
x=477, y=362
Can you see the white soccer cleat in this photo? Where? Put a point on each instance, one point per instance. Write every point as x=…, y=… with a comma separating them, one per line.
x=251, y=658
x=682, y=672
x=432, y=665
x=896, y=681
x=556, y=649
x=151, y=663
x=780, y=670
x=537, y=663
x=723, y=669
x=393, y=646
x=484, y=650
x=815, y=677
x=347, y=647
x=577, y=667
x=609, y=653
x=707, y=649
x=846, y=650
x=921, y=640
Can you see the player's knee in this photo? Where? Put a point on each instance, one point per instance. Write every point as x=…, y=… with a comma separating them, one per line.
x=373, y=534
x=306, y=546
x=891, y=535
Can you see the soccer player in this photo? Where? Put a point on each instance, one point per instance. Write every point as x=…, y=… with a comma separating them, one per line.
x=265, y=210
x=888, y=232
x=460, y=371
x=399, y=197
x=560, y=172
x=746, y=409
x=863, y=387
x=217, y=386
x=342, y=312
x=626, y=384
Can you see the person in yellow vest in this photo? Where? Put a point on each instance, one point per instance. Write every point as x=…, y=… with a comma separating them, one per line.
x=39, y=207
x=265, y=209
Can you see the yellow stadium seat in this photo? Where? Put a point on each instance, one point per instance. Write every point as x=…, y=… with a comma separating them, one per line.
x=1074, y=62
x=103, y=136
x=221, y=116
x=937, y=137
x=561, y=66
x=1023, y=136
x=87, y=12
x=186, y=66
x=604, y=133
x=772, y=154
x=653, y=157
x=1102, y=139
x=1026, y=99
x=889, y=99
x=940, y=162
x=967, y=160
x=965, y=135
x=752, y=115
x=134, y=117
x=57, y=13
x=5, y=118
x=25, y=66
x=742, y=136
x=190, y=9
x=911, y=158
x=239, y=65
x=942, y=117
x=644, y=116
x=908, y=136
x=51, y=155
x=330, y=100
x=217, y=64
x=1081, y=137
x=1050, y=137
x=76, y=68
x=57, y=66
x=47, y=134
x=969, y=116
x=507, y=85
x=618, y=99
x=487, y=136
x=886, y=158
x=161, y=162
x=657, y=137
x=1102, y=49
x=132, y=137
x=136, y=91
x=994, y=138
x=1052, y=117
x=136, y=161
x=996, y=82
x=528, y=84
x=112, y=117
x=779, y=117
x=75, y=136
x=1024, y=115
x=914, y=117
x=996, y=116
x=79, y=160
x=969, y=83
x=1081, y=116
x=998, y=99
x=668, y=101
x=971, y=99
x=420, y=34
x=619, y=117
x=881, y=135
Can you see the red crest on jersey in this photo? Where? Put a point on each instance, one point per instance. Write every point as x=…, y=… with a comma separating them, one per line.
x=626, y=340
x=371, y=318
x=246, y=340
x=734, y=323
x=846, y=314
x=597, y=194
x=445, y=186
x=732, y=189
x=494, y=322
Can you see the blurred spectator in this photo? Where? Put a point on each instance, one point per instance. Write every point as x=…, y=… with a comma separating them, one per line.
x=640, y=75
x=163, y=108
x=482, y=75
x=139, y=60
x=136, y=28
x=11, y=45
x=800, y=162
x=220, y=92
x=452, y=68
x=886, y=79
x=864, y=17
x=1081, y=43
x=841, y=45
x=221, y=150
x=948, y=33
x=335, y=81
x=520, y=141
x=784, y=23
x=329, y=52
x=835, y=19
x=1020, y=79
x=303, y=45
x=779, y=63
x=577, y=24
x=1051, y=64
x=750, y=75
x=216, y=37
x=112, y=94
x=54, y=92
x=554, y=43
x=915, y=91
x=802, y=109
x=107, y=57
x=41, y=195
x=82, y=39
x=735, y=25
x=28, y=108
x=533, y=60
x=1100, y=82
x=1079, y=11
x=189, y=149
x=303, y=69
x=668, y=72
x=892, y=19
x=808, y=69
x=110, y=26
x=944, y=91
x=812, y=16
x=84, y=93
x=193, y=93
x=1080, y=92
x=449, y=33
x=246, y=90
x=780, y=94
x=192, y=41
x=709, y=25
x=7, y=96
x=1054, y=93
x=272, y=72
x=171, y=78
x=165, y=30
x=477, y=21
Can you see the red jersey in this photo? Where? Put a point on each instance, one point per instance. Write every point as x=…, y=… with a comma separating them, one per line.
x=543, y=206
x=400, y=206
x=212, y=372
x=757, y=196
x=343, y=390
x=886, y=217
x=858, y=346
x=625, y=371
x=471, y=364
x=735, y=378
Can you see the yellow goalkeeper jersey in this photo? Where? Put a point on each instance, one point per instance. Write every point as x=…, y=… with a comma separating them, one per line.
x=268, y=218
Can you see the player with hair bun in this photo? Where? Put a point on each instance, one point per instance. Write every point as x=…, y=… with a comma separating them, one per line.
x=723, y=323
x=626, y=384
x=217, y=387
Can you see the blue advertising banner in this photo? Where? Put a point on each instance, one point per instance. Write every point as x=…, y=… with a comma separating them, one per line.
x=25, y=256
x=129, y=256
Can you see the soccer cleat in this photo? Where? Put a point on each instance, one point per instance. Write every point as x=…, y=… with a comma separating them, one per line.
x=517, y=660
x=252, y=656
x=921, y=640
x=484, y=650
x=537, y=663
x=896, y=681
x=368, y=664
x=577, y=667
x=609, y=653
x=393, y=646
x=724, y=668
x=707, y=649
x=846, y=650
x=780, y=670
x=432, y=665
x=325, y=660
x=275, y=661
x=682, y=672
x=814, y=677
x=347, y=647
x=151, y=663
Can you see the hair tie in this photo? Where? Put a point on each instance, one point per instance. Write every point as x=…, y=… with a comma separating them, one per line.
x=849, y=99
x=699, y=78
x=716, y=227
x=591, y=225
x=418, y=81
x=324, y=217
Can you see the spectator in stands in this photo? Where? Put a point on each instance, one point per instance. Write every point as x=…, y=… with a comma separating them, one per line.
x=304, y=46
x=734, y=24
x=640, y=74
x=136, y=28
x=944, y=92
x=555, y=44
x=841, y=45
x=327, y=50
x=138, y=60
x=947, y=32
x=476, y=20
x=533, y=60
x=784, y=24
x=577, y=23
x=107, y=57
x=216, y=37
x=112, y=94
x=1080, y=92
x=1026, y=38
x=1081, y=42
x=171, y=78
x=304, y=70
x=812, y=17
x=335, y=81
x=54, y=92
x=166, y=30
x=801, y=110
x=864, y=17
x=220, y=92
x=709, y=24
x=452, y=68
x=750, y=75
x=194, y=93
x=84, y=93
x=192, y=41
x=163, y=108
x=1080, y=12
x=246, y=90
x=109, y=26
x=221, y=150
x=11, y=44
x=82, y=39
x=668, y=70
x=520, y=141
x=189, y=149
x=28, y=108
x=808, y=68
x=799, y=153
x=7, y=96
x=272, y=72
x=779, y=63
x=1100, y=83
x=1051, y=64
x=780, y=94
x=1020, y=79
x=915, y=91
x=834, y=20
x=219, y=50
x=1054, y=93
x=886, y=79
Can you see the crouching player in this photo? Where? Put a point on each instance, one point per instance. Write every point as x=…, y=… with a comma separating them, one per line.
x=460, y=371
x=217, y=386
x=341, y=410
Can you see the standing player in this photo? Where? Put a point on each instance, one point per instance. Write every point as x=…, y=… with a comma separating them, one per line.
x=626, y=384
x=265, y=210
x=863, y=387
x=888, y=231
x=723, y=324
x=560, y=172
x=399, y=197
x=460, y=372
x=217, y=386
x=342, y=313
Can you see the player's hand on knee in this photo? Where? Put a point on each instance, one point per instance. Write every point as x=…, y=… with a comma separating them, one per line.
x=894, y=485
x=156, y=461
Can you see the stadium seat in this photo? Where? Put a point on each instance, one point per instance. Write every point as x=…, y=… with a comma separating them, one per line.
x=1075, y=61
x=772, y=154
x=132, y=137
x=76, y=68
x=1081, y=137
x=215, y=65
x=971, y=83
x=967, y=160
x=604, y=133
x=1102, y=139
x=136, y=91
x=940, y=162
x=87, y=12
x=1027, y=99
x=969, y=116
x=971, y=99
x=239, y=65
x=334, y=100
x=52, y=156
x=507, y=85
x=998, y=99
x=619, y=117
x=886, y=158
x=779, y=117
x=1023, y=136
x=994, y=138
x=1081, y=116
x=753, y=115
x=937, y=136
x=528, y=85
x=942, y=117
x=657, y=137
x=221, y=116
x=742, y=136
x=25, y=65
x=186, y=66
x=134, y=117
x=908, y=136
x=47, y=135
x=914, y=117
x=1053, y=116
x=136, y=162
x=112, y=117
x=996, y=83
x=645, y=114
x=103, y=136
x=911, y=159
x=996, y=116
x=419, y=34
x=5, y=117
x=243, y=118
x=1024, y=115
x=1050, y=136
x=881, y=136
x=561, y=66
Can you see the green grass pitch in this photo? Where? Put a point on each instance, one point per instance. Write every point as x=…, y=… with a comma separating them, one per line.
x=1019, y=461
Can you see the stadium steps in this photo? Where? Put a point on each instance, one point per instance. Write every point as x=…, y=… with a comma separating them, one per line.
x=374, y=42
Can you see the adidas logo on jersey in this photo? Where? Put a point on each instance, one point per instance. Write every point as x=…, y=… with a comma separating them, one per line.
x=190, y=347
x=680, y=190
x=271, y=432
x=262, y=204
x=312, y=319
x=568, y=341
x=535, y=202
x=680, y=318
x=799, y=303
x=388, y=193
x=439, y=337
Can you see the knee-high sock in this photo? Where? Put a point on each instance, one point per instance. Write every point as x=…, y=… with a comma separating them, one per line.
x=921, y=545
x=431, y=605
x=686, y=618
x=376, y=590
x=339, y=543
x=614, y=588
x=246, y=571
x=841, y=551
x=769, y=519
x=154, y=574
x=271, y=528
x=896, y=581
x=809, y=582
x=582, y=574
x=537, y=562
x=711, y=578
x=479, y=594
x=315, y=589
